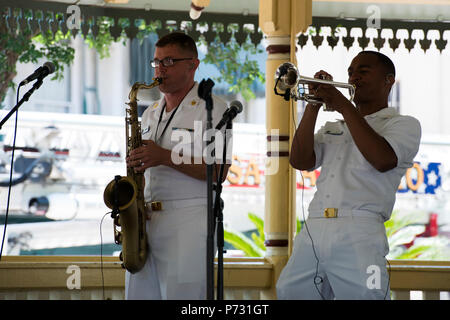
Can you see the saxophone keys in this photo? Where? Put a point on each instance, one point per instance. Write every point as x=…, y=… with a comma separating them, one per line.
x=117, y=220
x=118, y=237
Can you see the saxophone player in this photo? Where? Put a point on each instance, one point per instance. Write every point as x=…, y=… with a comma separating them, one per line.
x=174, y=192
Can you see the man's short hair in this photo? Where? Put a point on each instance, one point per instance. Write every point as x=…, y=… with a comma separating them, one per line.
x=384, y=60
x=182, y=40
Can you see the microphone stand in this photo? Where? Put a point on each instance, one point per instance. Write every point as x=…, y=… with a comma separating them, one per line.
x=218, y=211
x=25, y=97
x=204, y=92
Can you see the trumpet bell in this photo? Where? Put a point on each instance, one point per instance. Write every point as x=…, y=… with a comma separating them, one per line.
x=286, y=76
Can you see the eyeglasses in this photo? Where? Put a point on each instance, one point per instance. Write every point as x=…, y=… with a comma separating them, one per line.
x=166, y=62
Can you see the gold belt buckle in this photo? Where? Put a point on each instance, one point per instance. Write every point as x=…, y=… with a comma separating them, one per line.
x=156, y=205
x=330, y=213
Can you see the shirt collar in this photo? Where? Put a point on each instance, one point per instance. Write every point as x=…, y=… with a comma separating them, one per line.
x=191, y=99
x=384, y=113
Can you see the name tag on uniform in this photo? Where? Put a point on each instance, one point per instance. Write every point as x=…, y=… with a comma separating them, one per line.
x=334, y=133
x=146, y=130
x=185, y=129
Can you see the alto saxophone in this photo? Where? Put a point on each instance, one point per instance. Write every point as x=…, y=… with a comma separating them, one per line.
x=125, y=195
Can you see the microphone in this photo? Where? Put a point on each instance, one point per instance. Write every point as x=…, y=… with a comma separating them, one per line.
x=230, y=113
x=40, y=72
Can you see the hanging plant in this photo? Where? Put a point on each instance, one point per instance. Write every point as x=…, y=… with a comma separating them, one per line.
x=235, y=63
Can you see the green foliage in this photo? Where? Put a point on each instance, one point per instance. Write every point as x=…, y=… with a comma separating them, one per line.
x=24, y=47
x=103, y=40
x=238, y=72
x=258, y=238
x=55, y=48
x=241, y=242
x=253, y=247
x=401, y=229
x=146, y=29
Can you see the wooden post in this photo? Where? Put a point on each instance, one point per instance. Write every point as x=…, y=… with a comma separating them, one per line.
x=281, y=21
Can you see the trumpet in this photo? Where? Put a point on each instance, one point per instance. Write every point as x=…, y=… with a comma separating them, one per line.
x=287, y=77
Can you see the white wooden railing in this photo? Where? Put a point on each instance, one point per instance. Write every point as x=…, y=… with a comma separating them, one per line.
x=89, y=278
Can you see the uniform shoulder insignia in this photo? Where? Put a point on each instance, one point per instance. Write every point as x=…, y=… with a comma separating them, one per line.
x=155, y=105
x=194, y=102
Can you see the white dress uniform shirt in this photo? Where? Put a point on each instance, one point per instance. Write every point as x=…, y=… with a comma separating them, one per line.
x=184, y=132
x=347, y=180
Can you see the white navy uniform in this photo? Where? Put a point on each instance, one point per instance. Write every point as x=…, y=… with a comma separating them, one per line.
x=176, y=266
x=351, y=248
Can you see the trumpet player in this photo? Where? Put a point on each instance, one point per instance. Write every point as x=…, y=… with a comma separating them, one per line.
x=340, y=252
x=175, y=192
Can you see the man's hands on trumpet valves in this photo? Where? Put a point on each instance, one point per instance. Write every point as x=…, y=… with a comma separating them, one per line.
x=331, y=96
x=147, y=156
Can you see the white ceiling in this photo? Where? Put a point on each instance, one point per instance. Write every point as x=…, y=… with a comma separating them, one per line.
x=388, y=9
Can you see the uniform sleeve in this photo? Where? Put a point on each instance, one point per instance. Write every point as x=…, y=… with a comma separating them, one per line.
x=318, y=148
x=403, y=134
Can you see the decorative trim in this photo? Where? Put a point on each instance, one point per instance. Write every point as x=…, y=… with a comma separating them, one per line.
x=278, y=48
x=348, y=40
x=276, y=243
x=278, y=154
x=43, y=16
x=277, y=138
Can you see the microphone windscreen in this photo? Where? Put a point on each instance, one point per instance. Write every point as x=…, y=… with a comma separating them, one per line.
x=236, y=104
x=50, y=66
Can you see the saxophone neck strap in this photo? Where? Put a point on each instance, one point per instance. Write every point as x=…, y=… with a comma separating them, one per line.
x=167, y=124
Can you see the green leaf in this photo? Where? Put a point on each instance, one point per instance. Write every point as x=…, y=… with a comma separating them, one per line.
x=258, y=222
x=405, y=235
x=241, y=242
x=413, y=252
x=299, y=225
x=399, y=220
x=238, y=74
x=258, y=241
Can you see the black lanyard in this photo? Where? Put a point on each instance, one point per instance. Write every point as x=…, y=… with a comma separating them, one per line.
x=167, y=124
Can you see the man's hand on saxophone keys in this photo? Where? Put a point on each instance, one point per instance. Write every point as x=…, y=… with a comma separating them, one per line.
x=147, y=156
